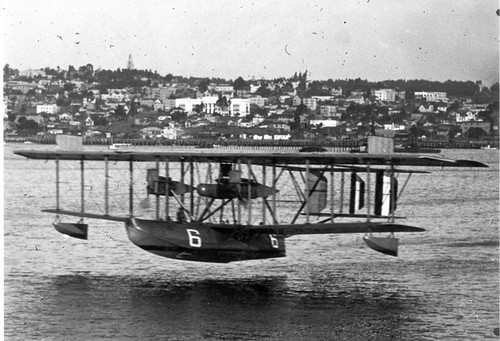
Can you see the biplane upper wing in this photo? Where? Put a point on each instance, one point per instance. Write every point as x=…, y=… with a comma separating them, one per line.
x=257, y=158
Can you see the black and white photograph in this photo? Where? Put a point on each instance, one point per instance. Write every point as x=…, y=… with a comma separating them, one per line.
x=250, y=170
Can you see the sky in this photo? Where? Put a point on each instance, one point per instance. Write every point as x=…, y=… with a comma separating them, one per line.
x=370, y=39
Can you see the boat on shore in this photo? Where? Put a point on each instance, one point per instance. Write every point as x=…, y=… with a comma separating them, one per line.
x=416, y=149
x=116, y=146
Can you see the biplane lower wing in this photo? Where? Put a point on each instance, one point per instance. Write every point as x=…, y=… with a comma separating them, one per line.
x=334, y=228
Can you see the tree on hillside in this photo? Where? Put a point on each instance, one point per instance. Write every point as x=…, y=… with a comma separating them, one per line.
x=26, y=124
x=69, y=87
x=86, y=72
x=6, y=72
x=263, y=91
x=222, y=101
x=120, y=112
x=203, y=86
x=239, y=84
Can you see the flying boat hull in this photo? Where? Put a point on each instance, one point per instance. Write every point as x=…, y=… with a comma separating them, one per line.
x=203, y=242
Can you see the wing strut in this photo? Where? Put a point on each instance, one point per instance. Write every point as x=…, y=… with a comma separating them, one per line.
x=368, y=192
x=157, y=195
x=239, y=191
x=404, y=185
x=249, y=196
x=131, y=189
x=167, y=190
x=342, y=181
x=191, y=180
x=263, y=199
x=82, y=186
x=332, y=192
x=106, y=186
x=57, y=184
x=207, y=207
x=275, y=222
x=392, y=194
x=307, y=191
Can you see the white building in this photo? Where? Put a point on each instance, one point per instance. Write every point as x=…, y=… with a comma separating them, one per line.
x=47, y=108
x=209, y=104
x=222, y=88
x=387, y=95
x=432, y=96
x=322, y=98
x=310, y=103
x=324, y=123
x=393, y=126
x=32, y=73
x=239, y=106
x=258, y=101
x=188, y=104
x=327, y=109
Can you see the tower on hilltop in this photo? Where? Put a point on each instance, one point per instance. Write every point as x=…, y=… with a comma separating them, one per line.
x=130, y=63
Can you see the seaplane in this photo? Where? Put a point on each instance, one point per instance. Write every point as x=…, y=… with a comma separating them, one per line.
x=249, y=209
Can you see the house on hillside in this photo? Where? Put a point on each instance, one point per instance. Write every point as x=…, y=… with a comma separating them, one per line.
x=169, y=133
x=394, y=126
x=89, y=122
x=473, y=129
x=150, y=132
x=426, y=108
x=441, y=106
x=464, y=116
x=355, y=99
x=157, y=105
